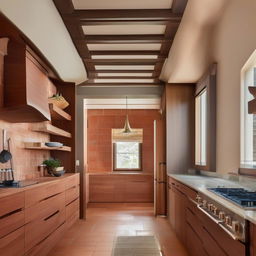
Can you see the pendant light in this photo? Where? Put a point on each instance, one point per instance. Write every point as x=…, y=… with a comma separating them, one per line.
x=127, y=127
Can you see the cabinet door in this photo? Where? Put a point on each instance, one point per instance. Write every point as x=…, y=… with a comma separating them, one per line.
x=171, y=206
x=180, y=206
x=139, y=190
x=194, y=243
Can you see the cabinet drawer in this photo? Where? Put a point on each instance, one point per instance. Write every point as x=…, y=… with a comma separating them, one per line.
x=13, y=244
x=11, y=203
x=72, y=194
x=36, y=195
x=43, y=248
x=11, y=222
x=72, y=219
x=72, y=181
x=38, y=230
x=72, y=208
x=45, y=208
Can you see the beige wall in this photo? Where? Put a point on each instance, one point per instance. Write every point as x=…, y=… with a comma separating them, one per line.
x=235, y=40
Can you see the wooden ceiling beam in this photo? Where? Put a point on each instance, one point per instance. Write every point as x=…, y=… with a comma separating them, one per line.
x=178, y=6
x=124, y=39
x=146, y=14
x=74, y=28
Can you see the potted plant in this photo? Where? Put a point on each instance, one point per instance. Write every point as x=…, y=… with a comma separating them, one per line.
x=54, y=167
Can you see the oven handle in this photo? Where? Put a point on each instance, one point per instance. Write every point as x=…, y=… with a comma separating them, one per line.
x=219, y=222
x=234, y=237
x=209, y=215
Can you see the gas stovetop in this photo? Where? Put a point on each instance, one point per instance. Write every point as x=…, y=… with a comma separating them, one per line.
x=242, y=197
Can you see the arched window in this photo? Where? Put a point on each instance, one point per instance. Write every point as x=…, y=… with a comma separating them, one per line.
x=248, y=120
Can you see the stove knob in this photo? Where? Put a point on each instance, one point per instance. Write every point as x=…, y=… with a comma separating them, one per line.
x=199, y=199
x=209, y=207
x=236, y=226
x=215, y=210
x=204, y=204
x=228, y=220
x=222, y=215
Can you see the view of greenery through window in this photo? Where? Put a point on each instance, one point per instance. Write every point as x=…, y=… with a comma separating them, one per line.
x=127, y=155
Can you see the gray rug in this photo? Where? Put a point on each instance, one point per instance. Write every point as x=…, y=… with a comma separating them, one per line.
x=136, y=246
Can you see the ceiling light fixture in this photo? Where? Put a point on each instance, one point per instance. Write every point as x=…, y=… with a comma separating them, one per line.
x=127, y=127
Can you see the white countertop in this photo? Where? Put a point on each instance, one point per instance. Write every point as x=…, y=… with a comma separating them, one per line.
x=201, y=183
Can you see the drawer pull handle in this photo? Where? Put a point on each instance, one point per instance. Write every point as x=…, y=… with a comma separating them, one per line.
x=47, y=218
x=46, y=198
x=10, y=213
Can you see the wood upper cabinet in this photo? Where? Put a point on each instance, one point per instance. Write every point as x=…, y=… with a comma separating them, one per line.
x=26, y=86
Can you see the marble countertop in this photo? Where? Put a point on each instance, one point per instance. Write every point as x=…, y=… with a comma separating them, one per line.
x=202, y=183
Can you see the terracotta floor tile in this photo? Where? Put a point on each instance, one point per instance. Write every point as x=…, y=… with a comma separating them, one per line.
x=96, y=235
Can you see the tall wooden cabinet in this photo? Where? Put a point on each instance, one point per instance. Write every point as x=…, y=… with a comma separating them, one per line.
x=179, y=104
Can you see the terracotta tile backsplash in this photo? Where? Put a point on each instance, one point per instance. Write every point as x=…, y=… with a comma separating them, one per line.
x=100, y=124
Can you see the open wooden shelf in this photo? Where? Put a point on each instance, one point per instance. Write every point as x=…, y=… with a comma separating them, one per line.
x=48, y=128
x=58, y=114
x=42, y=146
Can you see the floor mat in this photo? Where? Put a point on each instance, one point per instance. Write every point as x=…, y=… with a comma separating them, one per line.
x=136, y=246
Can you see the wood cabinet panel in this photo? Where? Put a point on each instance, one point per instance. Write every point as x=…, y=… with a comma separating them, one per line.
x=11, y=222
x=72, y=208
x=43, y=248
x=71, y=194
x=72, y=220
x=11, y=203
x=45, y=208
x=171, y=206
x=33, y=196
x=72, y=181
x=13, y=244
x=26, y=92
x=180, y=127
x=39, y=229
x=121, y=188
x=194, y=243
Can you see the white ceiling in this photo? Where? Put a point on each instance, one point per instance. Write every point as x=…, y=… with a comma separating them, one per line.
x=124, y=29
x=120, y=103
x=40, y=21
x=124, y=47
x=124, y=67
x=124, y=57
x=122, y=4
x=124, y=74
x=190, y=54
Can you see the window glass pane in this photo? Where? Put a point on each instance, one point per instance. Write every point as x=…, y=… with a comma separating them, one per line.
x=127, y=155
x=248, y=139
x=201, y=126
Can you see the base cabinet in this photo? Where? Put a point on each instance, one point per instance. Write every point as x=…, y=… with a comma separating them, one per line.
x=196, y=231
x=38, y=217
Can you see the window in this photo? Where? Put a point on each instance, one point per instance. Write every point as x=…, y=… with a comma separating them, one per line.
x=248, y=121
x=201, y=125
x=127, y=150
x=127, y=156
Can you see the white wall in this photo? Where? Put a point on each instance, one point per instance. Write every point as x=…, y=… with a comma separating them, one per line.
x=234, y=42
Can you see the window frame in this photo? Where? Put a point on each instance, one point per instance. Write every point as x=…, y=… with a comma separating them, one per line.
x=245, y=168
x=127, y=169
x=208, y=83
